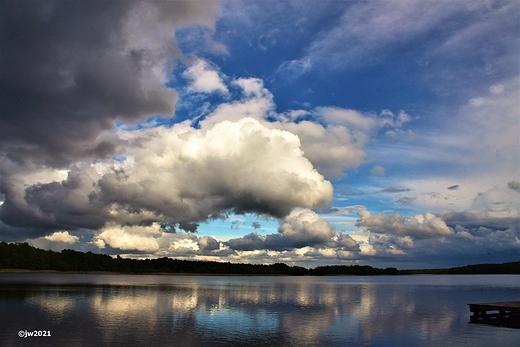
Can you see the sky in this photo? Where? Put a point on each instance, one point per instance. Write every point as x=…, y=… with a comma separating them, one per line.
x=382, y=133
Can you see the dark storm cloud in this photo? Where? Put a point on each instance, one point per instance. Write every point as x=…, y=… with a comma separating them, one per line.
x=254, y=241
x=249, y=242
x=514, y=185
x=490, y=219
x=12, y=234
x=208, y=243
x=189, y=226
x=405, y=201
x=71, y=68
x=328, y=210
x=395, y=190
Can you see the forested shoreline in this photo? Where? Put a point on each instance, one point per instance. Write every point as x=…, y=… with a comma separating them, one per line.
x=22, y=256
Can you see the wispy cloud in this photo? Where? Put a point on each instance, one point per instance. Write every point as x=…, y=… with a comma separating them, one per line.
x=395, y=190
x=204, y=79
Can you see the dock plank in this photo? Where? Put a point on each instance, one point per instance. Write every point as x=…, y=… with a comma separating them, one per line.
x=502, y=304
x=506, y=313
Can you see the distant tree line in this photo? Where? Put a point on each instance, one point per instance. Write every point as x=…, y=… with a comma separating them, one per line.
x=356, y=270
x=512, y=268
x=24, y=256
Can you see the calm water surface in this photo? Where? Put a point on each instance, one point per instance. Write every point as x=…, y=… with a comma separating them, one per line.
x=126, y=310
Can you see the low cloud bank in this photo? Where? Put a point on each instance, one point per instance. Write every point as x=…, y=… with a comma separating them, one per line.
x=301, y=228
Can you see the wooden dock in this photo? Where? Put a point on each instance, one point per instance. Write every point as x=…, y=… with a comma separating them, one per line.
x=496, y=313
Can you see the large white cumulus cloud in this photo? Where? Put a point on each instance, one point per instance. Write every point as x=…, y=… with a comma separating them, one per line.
x=305, y=227
x=183, y=175
x=140, y=238
x=62, y=236
x=333, y=142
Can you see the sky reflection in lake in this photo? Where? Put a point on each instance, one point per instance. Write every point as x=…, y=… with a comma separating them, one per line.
x=107, y=310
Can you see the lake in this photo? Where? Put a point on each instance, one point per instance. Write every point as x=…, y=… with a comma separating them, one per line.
x=155, y=310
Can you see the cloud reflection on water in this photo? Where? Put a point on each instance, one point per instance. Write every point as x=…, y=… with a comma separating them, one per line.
x=255, y=311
